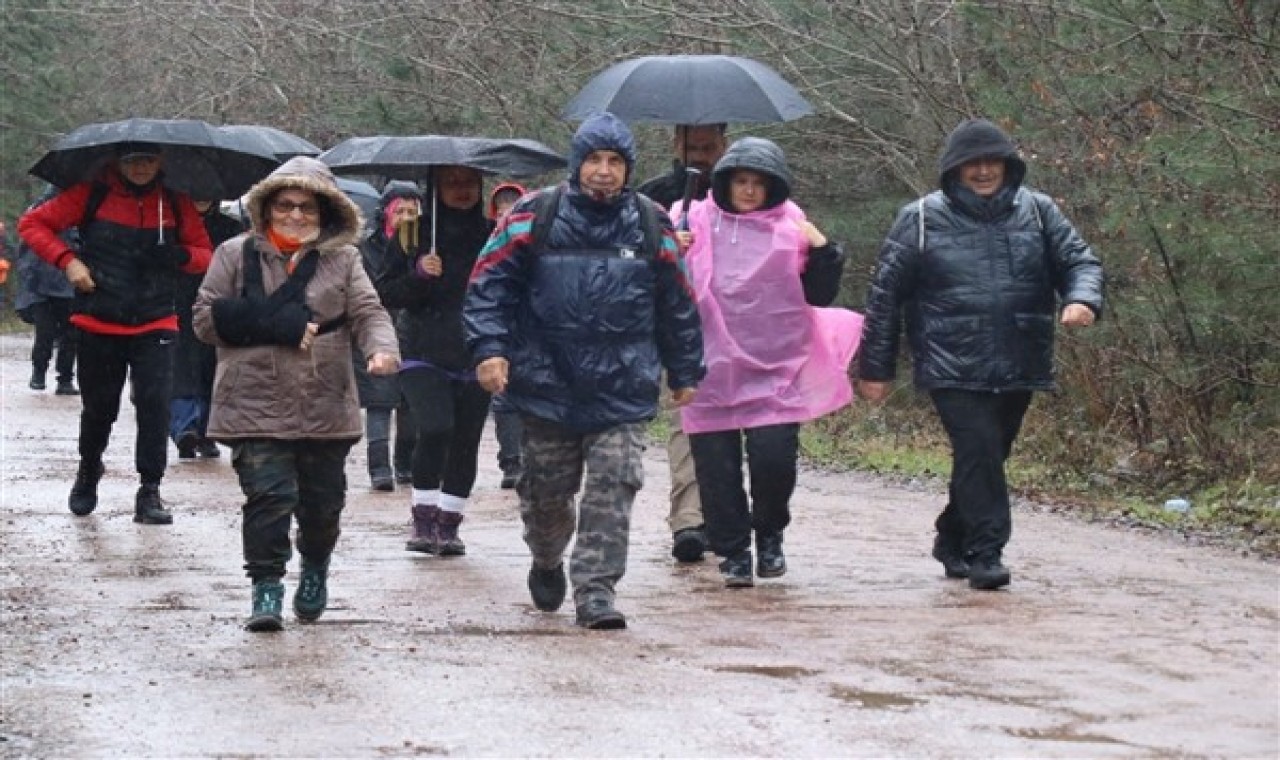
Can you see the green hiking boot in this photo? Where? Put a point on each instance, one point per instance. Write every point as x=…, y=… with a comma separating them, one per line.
x=268, y=603
x=312, y=596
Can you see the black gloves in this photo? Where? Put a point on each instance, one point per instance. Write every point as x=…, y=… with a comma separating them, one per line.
x=248, y=322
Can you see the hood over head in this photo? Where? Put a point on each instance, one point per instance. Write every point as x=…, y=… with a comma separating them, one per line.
x=979, y=138
x=758, y=155
x=603, y=131
x=498, y=191
x=340, y=220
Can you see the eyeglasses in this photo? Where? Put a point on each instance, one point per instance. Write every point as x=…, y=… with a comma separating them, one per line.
x=285, y=208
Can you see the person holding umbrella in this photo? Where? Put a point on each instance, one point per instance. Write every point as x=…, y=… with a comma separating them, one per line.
x=283, y=304
x=577, y=304
x=697, y=147
x=425, y=280
x=137, y=237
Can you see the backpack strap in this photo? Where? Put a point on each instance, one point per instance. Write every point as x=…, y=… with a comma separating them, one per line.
x=549, y=201
x=293, y=289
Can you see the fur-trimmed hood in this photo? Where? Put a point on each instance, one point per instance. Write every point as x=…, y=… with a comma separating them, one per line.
x=340, y=221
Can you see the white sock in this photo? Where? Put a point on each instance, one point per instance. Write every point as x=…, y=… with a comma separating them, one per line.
x=428, y=497
x=451, y=503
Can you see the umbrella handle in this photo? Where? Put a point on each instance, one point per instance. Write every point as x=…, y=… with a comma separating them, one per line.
x=691, y=176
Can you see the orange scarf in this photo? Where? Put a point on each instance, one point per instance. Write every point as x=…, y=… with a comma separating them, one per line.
x=287, y=246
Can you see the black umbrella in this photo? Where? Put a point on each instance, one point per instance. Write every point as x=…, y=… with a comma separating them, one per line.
x=279, y=143
x=198, y=158
x=690, y=89
x=412, y=157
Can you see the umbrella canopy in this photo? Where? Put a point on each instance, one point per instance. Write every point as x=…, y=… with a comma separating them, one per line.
x=412, y=157
x=198, y=158
x=277, y=142
x=690, y=89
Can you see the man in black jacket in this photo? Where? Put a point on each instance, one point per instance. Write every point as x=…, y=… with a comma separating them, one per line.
x=979, y=269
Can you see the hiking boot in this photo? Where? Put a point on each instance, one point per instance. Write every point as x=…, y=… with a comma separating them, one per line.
x=268, y=603
x=547, y=586
x=689, y=544
x=312, y=596
x=37, y=380
x=447, y=524
x=84, y=492
x=599, y=615
x=426, y=533
x=987, y=573
x=208, y=449
x=948, y=552
x=187, y=444
x=66, y=388
x=148, y=509
x=382, y=483
x=772, y=563
x=736, y=570
x=509, y=480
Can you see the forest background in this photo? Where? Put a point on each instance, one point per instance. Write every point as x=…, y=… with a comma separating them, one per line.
x=1155, y=125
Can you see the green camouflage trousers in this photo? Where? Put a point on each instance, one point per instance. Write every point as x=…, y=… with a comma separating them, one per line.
x=555, y=462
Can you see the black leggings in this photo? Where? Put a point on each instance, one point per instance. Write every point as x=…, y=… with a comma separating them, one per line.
x=449, y=417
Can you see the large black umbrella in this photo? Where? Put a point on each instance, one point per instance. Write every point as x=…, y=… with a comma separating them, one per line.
x=279, y=143
x=412, y=157
x=198, y=158
x=690, y=89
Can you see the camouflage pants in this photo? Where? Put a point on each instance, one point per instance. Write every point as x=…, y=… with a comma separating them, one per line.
x=555, y=462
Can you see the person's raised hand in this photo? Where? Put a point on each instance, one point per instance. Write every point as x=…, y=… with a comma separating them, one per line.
x=812, y=233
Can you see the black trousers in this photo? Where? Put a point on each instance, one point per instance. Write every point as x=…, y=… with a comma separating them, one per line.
x=53, y=332
x=283, y=481
x=449, y=417
x=105, y=362
x=772, y=452
x=982, y=427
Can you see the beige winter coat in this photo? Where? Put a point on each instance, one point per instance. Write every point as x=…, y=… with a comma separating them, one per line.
x=285, y=392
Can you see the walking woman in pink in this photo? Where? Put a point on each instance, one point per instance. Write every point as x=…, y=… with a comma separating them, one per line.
x=760, y=272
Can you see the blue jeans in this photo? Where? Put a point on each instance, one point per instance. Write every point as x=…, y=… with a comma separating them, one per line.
x=284, y=480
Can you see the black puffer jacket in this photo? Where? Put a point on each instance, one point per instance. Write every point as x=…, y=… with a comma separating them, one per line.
x=586, y=323
x=429, y=322
x=980, y=297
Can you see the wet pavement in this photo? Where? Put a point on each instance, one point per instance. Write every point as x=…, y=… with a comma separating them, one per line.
x=121, y=640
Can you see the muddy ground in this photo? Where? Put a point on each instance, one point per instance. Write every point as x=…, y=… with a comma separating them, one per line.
x=123, y=640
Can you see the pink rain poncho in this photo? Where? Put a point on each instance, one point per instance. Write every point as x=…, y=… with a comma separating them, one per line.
x=771, y=357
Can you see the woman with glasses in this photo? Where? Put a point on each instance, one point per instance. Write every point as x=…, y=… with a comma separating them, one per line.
x=284, y=304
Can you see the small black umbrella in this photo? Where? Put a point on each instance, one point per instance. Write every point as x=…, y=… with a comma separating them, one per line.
x=279, y=143
x=198, y=158
x=690, y=89
x=412, y=157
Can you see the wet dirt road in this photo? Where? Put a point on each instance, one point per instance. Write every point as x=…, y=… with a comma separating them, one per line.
x=123, y=640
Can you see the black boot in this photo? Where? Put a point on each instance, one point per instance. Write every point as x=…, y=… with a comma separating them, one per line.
x=986, y=572
x=208, y=448
x=37, y=379
x=947, y=551
x=84, y=492
x=736, y=570
x=772, y=563
x=426, y=530
x=66, y=388
x=689, y=544
x=148, y=509
x=312, y=596
x=547, y=587
x=599, y=614
x=268, y=606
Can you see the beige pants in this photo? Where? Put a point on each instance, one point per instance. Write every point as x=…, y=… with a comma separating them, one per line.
x=686, y=504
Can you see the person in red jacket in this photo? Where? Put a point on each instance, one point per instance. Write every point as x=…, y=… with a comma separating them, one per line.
x=136, y=237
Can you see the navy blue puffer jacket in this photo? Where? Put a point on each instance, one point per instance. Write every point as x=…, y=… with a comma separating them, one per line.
x=587, y=323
